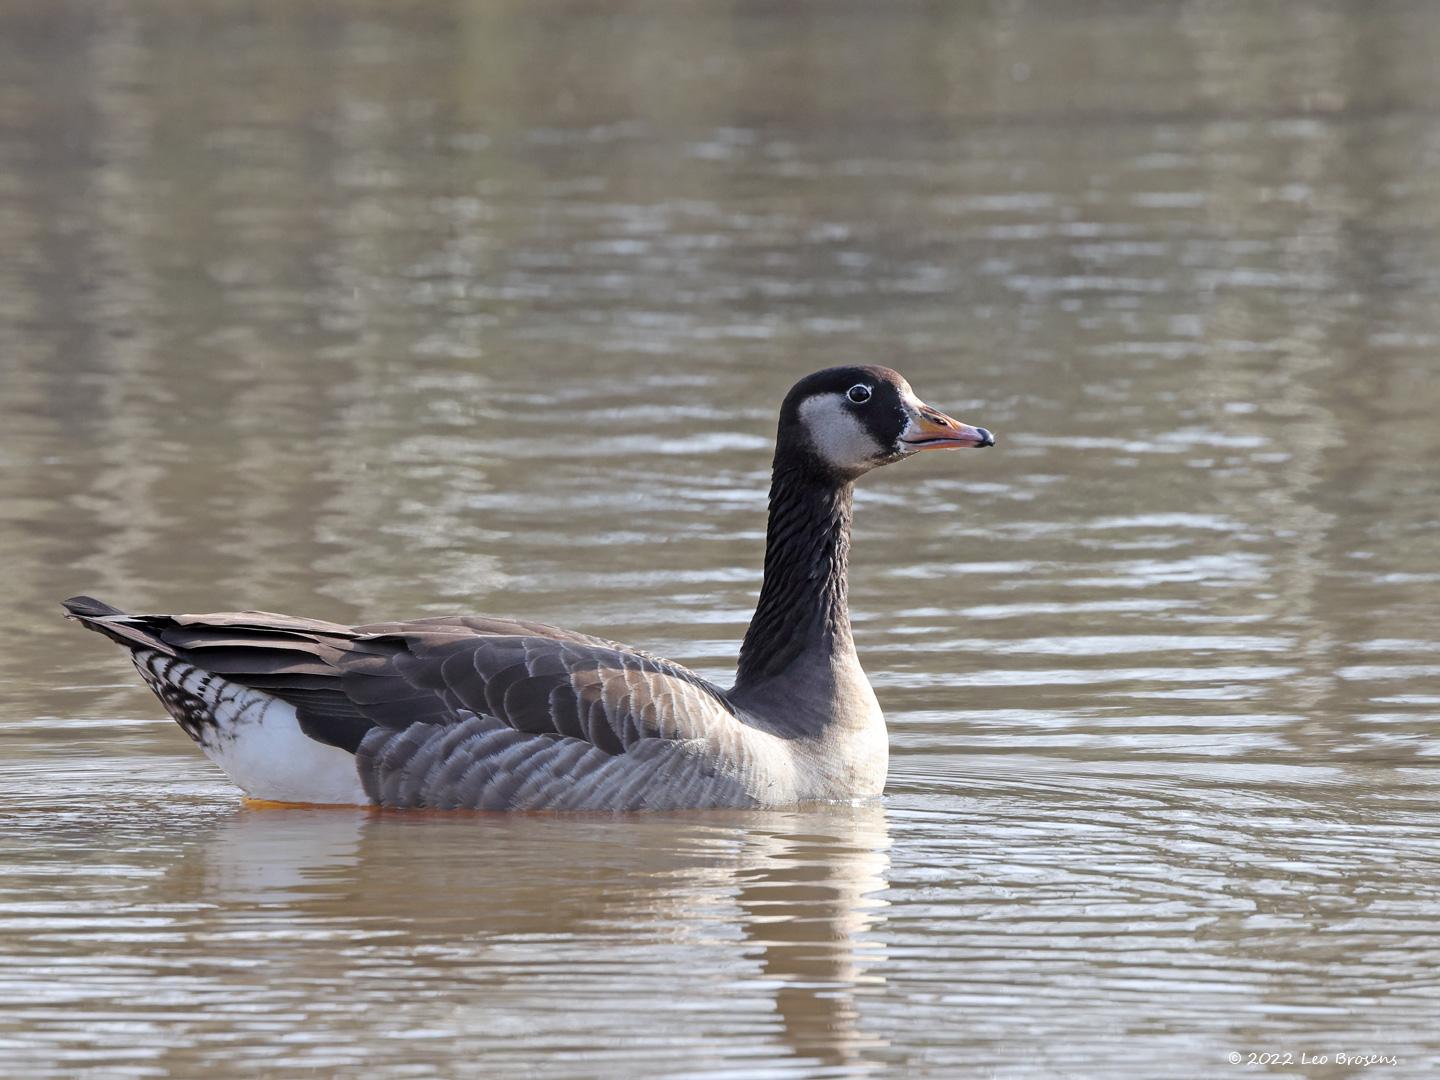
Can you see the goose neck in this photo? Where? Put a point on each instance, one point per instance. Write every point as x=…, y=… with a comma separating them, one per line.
x=802, y=620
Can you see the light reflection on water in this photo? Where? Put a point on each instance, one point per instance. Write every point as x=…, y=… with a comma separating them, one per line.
x=365, y=313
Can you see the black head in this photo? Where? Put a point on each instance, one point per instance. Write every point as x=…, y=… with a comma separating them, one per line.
x=848, y=420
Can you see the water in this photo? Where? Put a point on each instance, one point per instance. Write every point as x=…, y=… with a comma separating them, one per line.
x=372, y=311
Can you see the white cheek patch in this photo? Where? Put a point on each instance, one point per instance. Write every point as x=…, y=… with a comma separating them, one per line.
x=836, y=433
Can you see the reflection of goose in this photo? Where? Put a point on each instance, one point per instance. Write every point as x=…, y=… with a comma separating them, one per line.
x=560, y=928
x=806, y=904
x=493, y=714
x=272, y=856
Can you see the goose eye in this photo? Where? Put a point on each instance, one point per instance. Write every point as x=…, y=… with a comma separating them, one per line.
x=859, y=393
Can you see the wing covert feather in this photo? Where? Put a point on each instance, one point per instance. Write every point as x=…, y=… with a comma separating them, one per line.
x=524, y=720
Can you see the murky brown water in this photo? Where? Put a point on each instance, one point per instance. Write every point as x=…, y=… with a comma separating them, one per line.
x=370, y=310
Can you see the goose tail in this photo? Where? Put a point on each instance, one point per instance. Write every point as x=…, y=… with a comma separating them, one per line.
x=132, y=631
x=244, y=686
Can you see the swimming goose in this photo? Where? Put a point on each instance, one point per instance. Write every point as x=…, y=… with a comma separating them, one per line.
x=492, y=714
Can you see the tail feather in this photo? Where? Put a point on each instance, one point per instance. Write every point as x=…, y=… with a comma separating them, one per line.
x=132, y=631
x=82, y=606
x=280, y=655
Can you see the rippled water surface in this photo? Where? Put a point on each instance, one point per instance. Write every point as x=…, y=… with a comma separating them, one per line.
x=378, y=310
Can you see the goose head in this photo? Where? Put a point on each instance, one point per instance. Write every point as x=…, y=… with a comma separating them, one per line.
x=846, y=421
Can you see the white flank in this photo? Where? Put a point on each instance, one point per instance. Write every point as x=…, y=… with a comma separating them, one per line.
x=256, y=738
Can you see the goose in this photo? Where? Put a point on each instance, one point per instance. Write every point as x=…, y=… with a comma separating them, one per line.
x=480, y=713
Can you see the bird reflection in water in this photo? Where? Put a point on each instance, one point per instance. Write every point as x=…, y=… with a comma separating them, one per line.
x=588, y=923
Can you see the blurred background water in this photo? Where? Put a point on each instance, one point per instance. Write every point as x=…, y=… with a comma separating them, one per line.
x=367, y=310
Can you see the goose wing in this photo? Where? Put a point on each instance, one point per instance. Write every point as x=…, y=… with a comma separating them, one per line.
x=500, y=715
x=478, y=712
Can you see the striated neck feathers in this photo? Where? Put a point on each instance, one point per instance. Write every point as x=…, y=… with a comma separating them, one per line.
x=803, y=613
